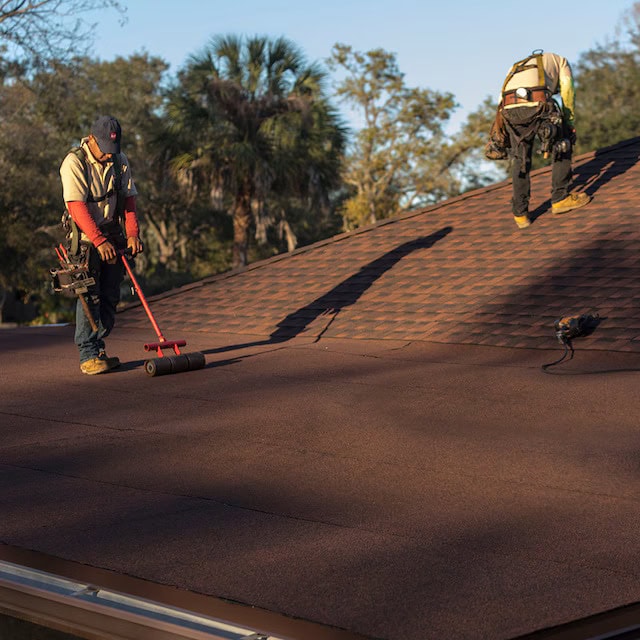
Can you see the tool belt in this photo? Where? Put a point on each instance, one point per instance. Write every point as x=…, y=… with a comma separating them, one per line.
x=72, y=278
x=535, y=95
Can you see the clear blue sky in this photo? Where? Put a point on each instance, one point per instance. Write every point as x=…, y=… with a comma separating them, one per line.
x=464, y=47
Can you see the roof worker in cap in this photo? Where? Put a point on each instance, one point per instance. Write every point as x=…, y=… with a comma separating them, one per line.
x=529, y=110
x=100, y=195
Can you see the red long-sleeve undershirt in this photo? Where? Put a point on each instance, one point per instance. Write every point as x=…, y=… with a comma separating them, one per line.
x=79, y=211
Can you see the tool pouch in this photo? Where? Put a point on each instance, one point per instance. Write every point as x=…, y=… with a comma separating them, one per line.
x=73, y=279
x=61, y=281
x=497, y=148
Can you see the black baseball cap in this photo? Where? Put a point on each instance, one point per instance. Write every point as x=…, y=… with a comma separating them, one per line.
x=107, y=132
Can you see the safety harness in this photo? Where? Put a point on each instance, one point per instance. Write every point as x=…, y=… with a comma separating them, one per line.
x=539, y=115
x=68, y=224
x=538, y=93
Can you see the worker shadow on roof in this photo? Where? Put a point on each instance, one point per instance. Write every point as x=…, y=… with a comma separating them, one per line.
x=347, y=292
x=344, y=294
x=605, y=165
x=592, y=175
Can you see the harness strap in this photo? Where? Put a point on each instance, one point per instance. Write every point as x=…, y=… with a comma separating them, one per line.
x=74, y=249
x=117, y=187
x=523, y=65
x=541, y=81
x=536, y=94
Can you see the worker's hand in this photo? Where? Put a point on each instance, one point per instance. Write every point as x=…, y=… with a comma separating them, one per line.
x=135, y=244
x=572, y=136
x=107, y=252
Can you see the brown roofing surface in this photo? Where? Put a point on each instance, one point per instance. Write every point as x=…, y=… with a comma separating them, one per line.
x=366, y=448
x=458, y=272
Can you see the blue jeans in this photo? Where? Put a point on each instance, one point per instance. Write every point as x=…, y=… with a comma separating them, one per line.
x=102, y=298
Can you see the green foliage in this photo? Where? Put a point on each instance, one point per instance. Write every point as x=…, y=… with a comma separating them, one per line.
x=257, y=135
x=402, y=156
x=462, y=164
x=608, y=88
x=27, y=205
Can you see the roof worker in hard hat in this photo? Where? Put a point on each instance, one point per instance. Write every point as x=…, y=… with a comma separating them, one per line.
x=529, y=110
x=100, y=196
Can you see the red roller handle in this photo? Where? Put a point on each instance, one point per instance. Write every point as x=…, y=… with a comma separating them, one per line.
x=163, y=342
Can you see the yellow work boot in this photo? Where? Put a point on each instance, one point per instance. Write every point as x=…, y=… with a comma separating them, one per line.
x=572, y=201
x=94, y=366
x=112, y=362
x=522, y=221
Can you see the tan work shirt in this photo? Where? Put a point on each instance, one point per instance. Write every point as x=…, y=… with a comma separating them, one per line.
x=75, y=187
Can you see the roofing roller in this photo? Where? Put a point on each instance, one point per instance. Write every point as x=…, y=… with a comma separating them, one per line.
x=163, y=364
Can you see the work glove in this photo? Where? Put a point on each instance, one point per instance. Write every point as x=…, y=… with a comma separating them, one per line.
x=135, y=244
x=572, y=136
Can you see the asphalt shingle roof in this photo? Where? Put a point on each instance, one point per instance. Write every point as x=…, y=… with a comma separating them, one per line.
x=399, y=486
x=459, y=272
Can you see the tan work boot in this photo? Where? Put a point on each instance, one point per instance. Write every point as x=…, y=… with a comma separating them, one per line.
x=572, y=201
x=112, y=362
x=522, y=221
x=94, y=366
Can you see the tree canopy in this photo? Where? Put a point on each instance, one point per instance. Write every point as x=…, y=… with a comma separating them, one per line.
x=38, y=30
x=258, y=132
x=402, y=156
x=608, y=88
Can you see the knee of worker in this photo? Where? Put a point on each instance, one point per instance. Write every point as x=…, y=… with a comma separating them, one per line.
x=107, y=320
x=109, y=299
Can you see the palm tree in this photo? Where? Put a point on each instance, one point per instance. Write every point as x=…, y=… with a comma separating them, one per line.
x=255, y=121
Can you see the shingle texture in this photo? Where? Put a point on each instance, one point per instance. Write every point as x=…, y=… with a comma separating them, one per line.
x=458, y=272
